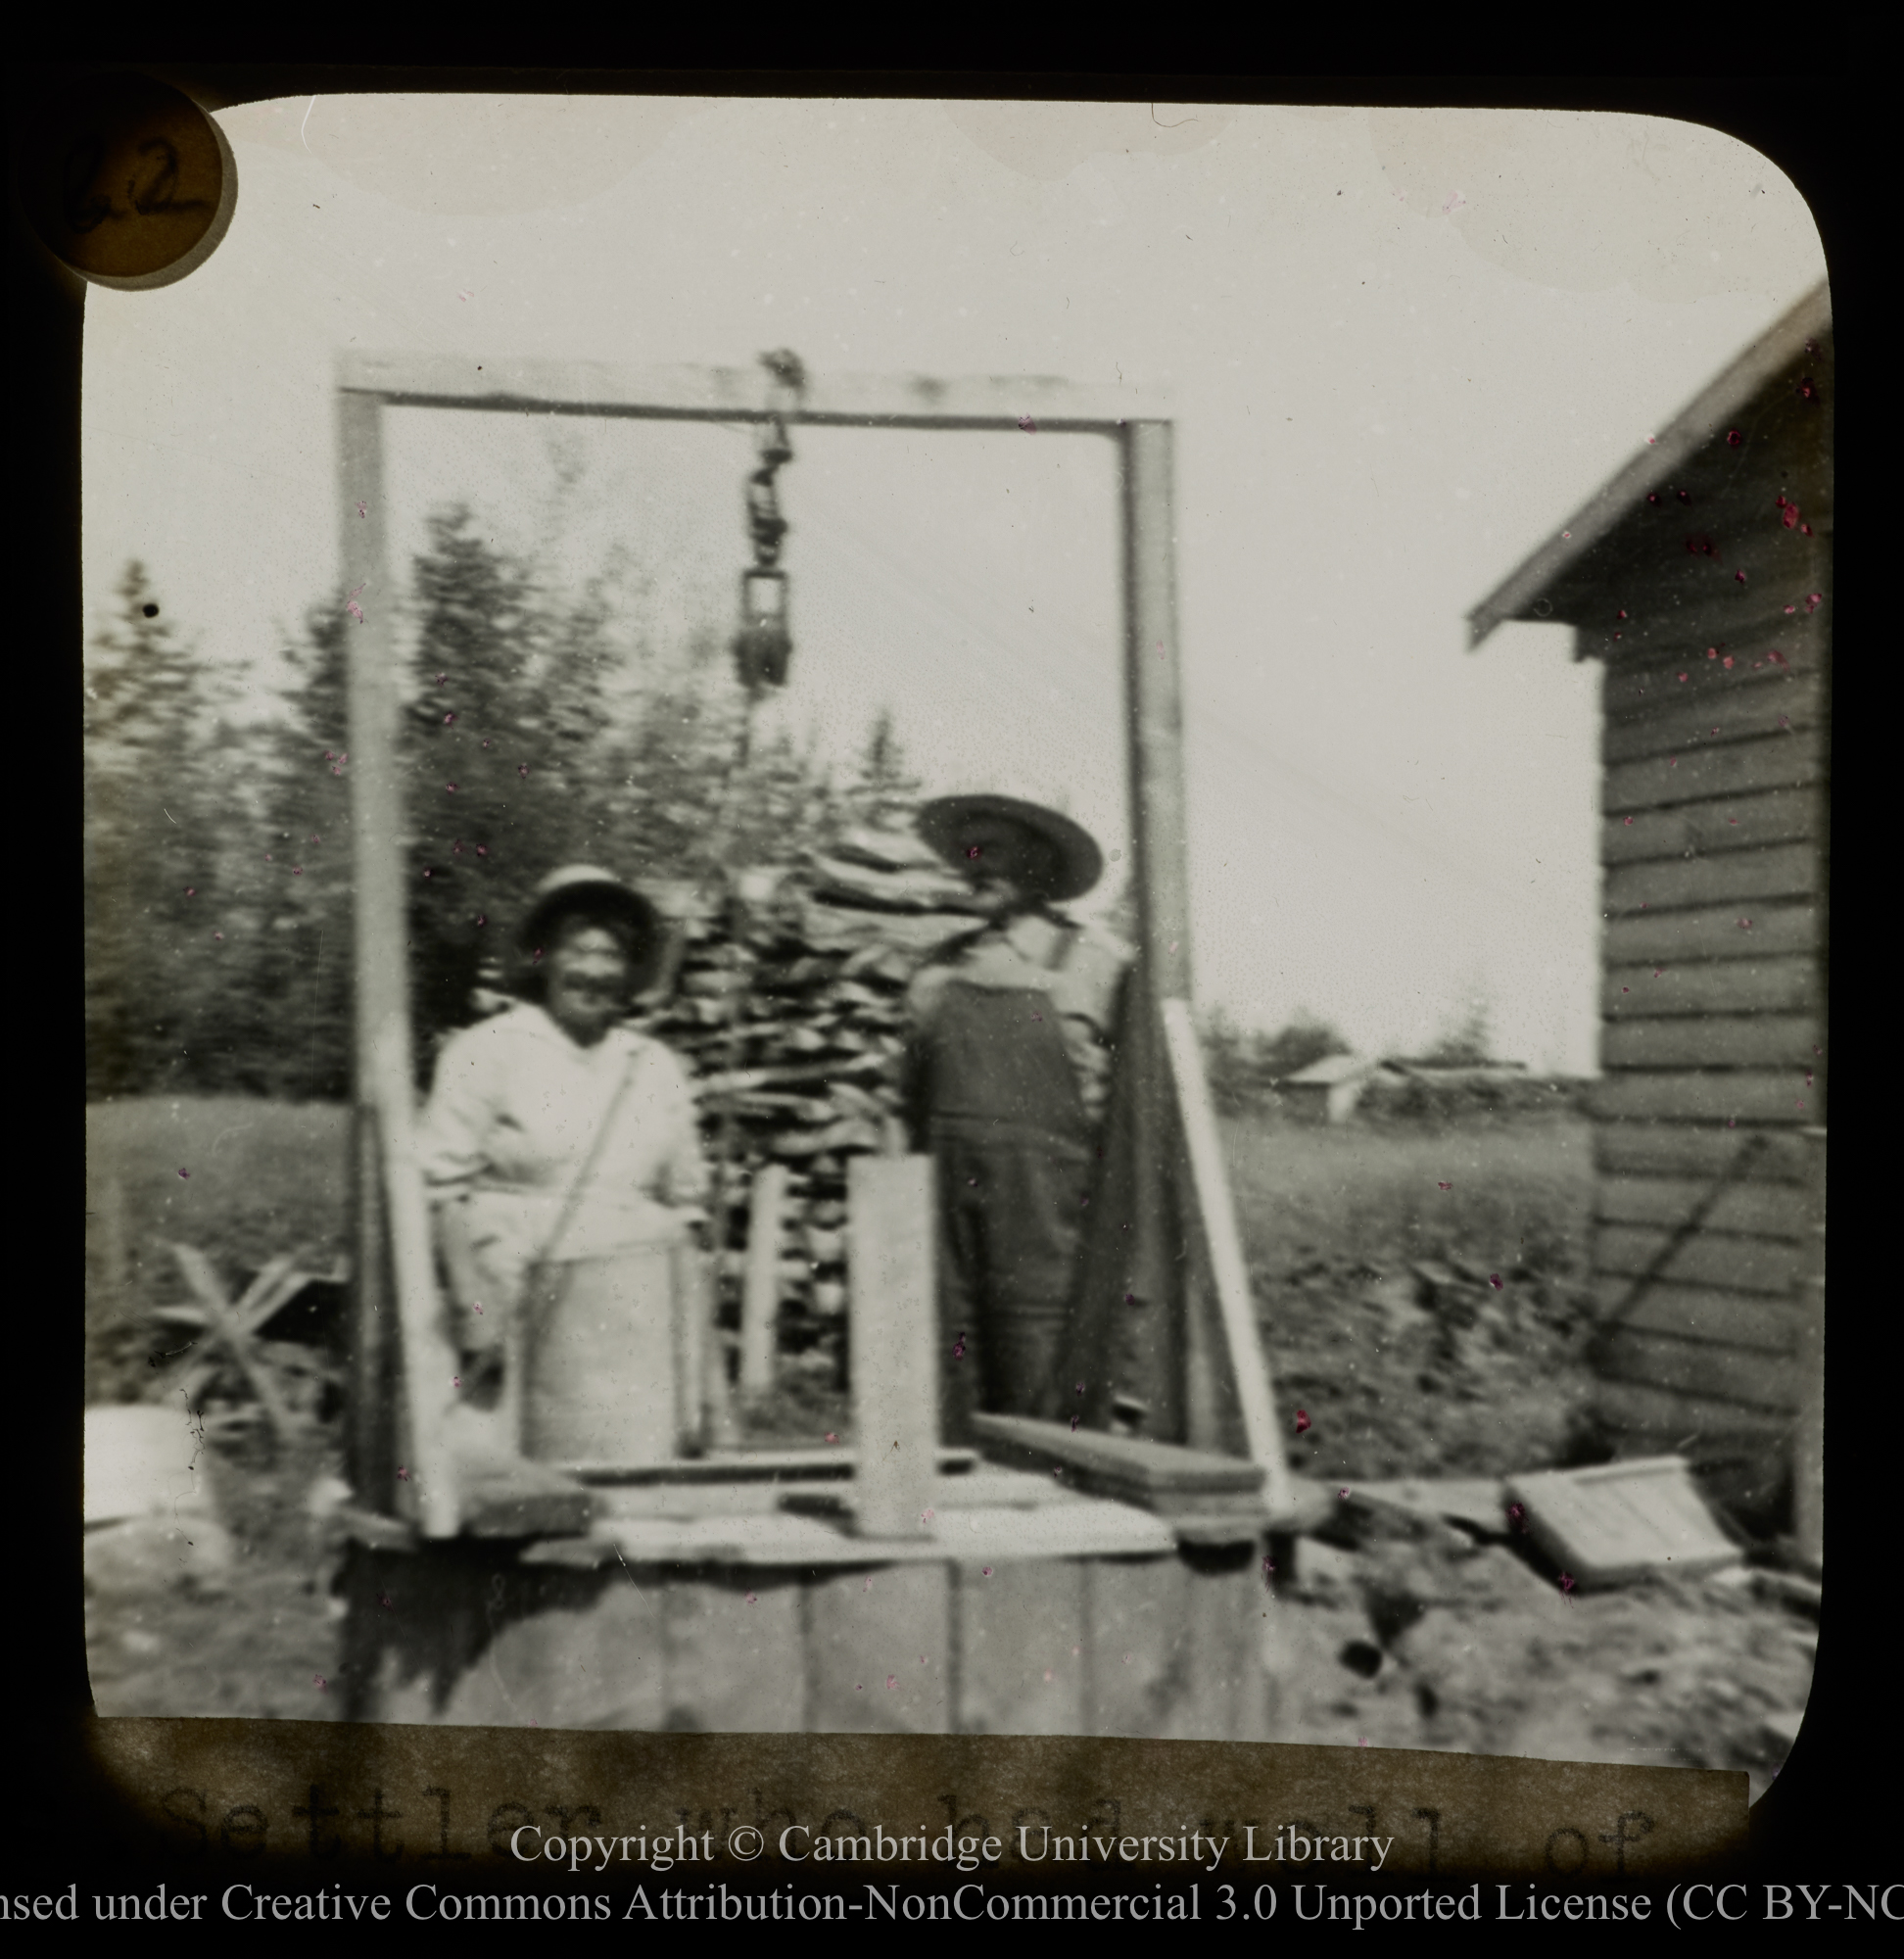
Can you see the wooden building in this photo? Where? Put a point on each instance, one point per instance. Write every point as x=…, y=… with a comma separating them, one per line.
x=1699, y=578
x=1329, y=1090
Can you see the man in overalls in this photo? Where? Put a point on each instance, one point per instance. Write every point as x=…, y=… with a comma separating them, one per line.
x=1009, y=1069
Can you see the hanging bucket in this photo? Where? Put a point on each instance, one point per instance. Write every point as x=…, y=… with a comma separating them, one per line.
x=612, y=1372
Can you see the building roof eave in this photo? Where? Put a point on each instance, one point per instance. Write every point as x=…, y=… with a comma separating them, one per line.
x=1715, y=406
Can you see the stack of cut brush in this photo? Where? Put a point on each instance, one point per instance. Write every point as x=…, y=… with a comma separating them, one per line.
x=792, y=1025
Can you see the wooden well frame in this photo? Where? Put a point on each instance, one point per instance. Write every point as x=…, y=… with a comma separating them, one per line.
x=1216, y=1396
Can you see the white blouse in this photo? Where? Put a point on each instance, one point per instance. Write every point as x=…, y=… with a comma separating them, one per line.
x=513, y=1114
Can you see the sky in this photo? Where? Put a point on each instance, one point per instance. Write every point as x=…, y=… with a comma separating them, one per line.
x=1400, y=348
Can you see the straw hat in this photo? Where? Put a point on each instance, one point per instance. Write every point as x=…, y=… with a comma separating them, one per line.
x=943, y=821
x=585, y=887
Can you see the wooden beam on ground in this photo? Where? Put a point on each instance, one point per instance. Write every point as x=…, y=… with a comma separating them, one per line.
x=894, y=1332
x=236, y=1338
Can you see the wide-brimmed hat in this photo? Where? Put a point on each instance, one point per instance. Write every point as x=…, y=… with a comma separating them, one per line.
x=943, y=821
x=585, y=887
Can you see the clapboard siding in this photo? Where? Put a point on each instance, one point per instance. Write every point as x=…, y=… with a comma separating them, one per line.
x=1704, y=1370
x=1722, y=1096
x=1711, y=932
x=1719, y=986
x=1632, y=692
x=1727, y=1040
x=1673, y=728
x=1722, y=1259
x=1696, y=1150
x=1785, y=871
x=1763, y=1210
x=1665, y=1417
x=1703, y=1312
x=1710, y=828
x=1780, y=762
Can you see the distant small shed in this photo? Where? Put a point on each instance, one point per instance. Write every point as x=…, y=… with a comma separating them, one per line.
x=1327, y=1090
x=1700, y=578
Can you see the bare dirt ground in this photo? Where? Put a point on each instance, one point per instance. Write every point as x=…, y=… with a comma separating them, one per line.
x=1373, y=1250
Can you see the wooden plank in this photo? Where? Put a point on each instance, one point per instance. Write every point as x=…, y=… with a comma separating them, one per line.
x=866, y=1628
x=1756, y=1322
x=740, y=393
x=760, y=1290
x=1137, y=1611
x=1154, y=702
x=1707, y=829
x=1642, y=690
x=1162, y=1478
x=1808, y=1430
x=1248, y=1364
x=734, y=1663
x=1617, y=1522
x=1792, y=983
x=1782, y=870
x=1223, y=1688
x=1702, y=1369
x=894, y=1328
x=1688, y=727
x=559, y=1648
x=1645, y=1148
x=1734, y=1262
x=1785, y=762
x=1722, y=1096
x=1762, y=1209
x=1731, y=1040
x=1703, y=1426
x=1713, y=932
x=1020, y=1637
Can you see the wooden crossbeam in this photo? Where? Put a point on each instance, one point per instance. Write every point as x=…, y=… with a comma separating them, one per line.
x=228, y=1325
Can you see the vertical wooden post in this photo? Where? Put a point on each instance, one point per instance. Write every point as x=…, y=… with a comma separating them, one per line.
x=1808, y=1432
x=760, y=1291
x=894, y=1332
x=1154, y=717
x=383, y=1070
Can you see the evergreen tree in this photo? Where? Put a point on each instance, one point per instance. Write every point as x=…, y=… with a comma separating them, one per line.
x=157, y=792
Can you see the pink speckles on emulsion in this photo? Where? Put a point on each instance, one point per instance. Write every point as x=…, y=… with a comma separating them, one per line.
x=1733, y=439
x=402, y=1474
x=361, y=511
x=752, y=1599
x=1567, y=1586
x=832, y=1438
x=1344, y=1495
x=450, y=789
x=191, y=890
x=351, y=606
x=185, y=1173
x=386, y=1601
x=1443, y=1186
x=1738, y=577
x=988, y=1570
x=1025, y=424
x=1302, y=1421
x=318, y=1681
x=522, y=769
x=1493, y=1279
x=1517, y=1517
x=448, y=718
x=1074, y=1424
x=959, y=1348
x=218, y=935
x=1629, y=821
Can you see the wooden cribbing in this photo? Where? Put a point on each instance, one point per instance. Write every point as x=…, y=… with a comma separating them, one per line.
x=894, y=1330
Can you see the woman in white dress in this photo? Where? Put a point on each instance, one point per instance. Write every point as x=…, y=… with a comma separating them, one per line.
x=564, y=1167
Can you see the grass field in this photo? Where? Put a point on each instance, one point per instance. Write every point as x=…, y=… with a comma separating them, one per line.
x=1396, y=1377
